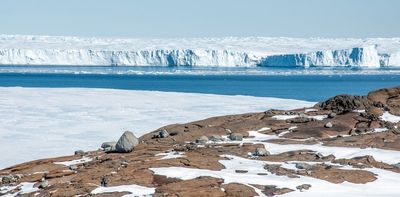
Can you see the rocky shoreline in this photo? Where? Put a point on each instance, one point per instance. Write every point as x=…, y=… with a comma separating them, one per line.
x=346, y=144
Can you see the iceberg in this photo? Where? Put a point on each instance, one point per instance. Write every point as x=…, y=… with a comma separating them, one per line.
x=222, y=52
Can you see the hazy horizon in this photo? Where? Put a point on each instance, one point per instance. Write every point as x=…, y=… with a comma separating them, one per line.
x=207, y=18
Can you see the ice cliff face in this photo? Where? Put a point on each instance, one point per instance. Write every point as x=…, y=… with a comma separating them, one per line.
x=186, y=57
x=230, y=51
x=358, y=56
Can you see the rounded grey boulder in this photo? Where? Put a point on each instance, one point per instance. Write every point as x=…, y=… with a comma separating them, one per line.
x=126, y=142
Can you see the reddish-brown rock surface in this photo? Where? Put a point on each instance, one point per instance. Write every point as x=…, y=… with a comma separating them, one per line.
x=349, y=129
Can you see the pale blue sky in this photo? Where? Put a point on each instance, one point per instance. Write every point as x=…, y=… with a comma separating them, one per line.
x=198, y=18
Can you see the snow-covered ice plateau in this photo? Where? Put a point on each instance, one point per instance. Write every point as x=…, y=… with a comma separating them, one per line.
x=224, y=52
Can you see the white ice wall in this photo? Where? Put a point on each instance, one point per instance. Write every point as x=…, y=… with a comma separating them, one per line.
x=230, y=51
x=358, y=56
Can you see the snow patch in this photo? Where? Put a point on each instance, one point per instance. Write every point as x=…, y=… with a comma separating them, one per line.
x=134, y=190
x=310, y=110
x=388, y=117
x=74, y=162
x=285, y=117
x=385, y=185
x=170, y=155
x=25, y=188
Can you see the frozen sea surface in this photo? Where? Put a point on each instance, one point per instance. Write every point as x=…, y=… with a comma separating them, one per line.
x=45, y=122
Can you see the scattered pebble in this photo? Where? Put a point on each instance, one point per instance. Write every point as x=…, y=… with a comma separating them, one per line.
x=79, y=152
x=303, y=166
x=73, y=167
x=216, y=138
x=43, y=184
x=163, y=133
x=241, y=171
x=397, y=165
x=331, y=115
x=303, y=187
x=236, y=137
x=328, y=125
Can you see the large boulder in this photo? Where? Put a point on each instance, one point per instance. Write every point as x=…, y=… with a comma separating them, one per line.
x=126, y=142
x=388, y=98
x=345, y=103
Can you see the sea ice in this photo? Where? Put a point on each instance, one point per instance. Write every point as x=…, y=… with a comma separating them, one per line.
x=51, y=122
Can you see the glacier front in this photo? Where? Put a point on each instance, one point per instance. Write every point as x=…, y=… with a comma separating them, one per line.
x=228, y=51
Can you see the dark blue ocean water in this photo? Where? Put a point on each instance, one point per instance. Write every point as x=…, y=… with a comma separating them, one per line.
x=310, y=87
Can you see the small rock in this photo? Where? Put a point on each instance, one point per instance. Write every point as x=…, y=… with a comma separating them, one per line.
x=289, y=113
x=303, y=187
x=272, y=167
x=270, y=186
x=216, y=138
x=328, y=125
x=163, y=134
x=43, y=184
x=361, y=130
x=202, y=140
x=10, y=179
x=299, y=120
x=352, y=132
x=293, y=176
x=319, y=155
x=370, y=159
x=303, y=166
x=236, y=137
x=261, y=152
x=126, y=142
x=331, y=115
x=79, y=152
x=106, y=145
x=73, y=167
x=104, y=182
x=241, y=171
x=6, y=179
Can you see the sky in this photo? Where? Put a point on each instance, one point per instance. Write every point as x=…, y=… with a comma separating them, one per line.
x=201, y=18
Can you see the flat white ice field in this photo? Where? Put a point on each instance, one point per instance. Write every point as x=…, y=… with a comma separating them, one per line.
x=45, y=122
